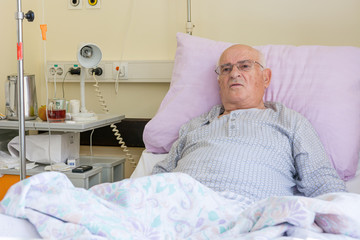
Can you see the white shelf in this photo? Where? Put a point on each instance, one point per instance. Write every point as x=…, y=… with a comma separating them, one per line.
x=68, y=126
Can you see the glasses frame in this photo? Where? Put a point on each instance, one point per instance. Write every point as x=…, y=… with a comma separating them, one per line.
x=217, y=69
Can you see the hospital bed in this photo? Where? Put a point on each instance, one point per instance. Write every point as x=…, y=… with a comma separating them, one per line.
x=322, y=83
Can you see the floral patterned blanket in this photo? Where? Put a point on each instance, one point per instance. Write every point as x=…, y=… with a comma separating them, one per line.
x=174, y=206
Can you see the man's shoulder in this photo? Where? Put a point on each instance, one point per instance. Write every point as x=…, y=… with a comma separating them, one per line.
x=286, y=113
x=281, y=108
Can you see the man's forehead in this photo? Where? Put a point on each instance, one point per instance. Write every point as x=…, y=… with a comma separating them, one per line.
x=237, y=53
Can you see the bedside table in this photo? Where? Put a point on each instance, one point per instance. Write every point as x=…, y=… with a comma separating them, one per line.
x=112, y=167
x=83, y=180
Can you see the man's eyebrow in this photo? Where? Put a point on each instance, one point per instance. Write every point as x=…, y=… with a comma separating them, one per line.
x=226, y=64
x=229, y=64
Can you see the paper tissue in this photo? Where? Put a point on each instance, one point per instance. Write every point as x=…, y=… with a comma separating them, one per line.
x=63, y=146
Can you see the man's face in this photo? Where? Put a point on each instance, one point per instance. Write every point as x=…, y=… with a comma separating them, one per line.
x=244, y=88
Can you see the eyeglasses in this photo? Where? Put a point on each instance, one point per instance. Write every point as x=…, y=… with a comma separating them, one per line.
x=244, y=66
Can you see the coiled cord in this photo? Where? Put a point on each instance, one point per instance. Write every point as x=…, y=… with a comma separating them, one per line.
x=100, y=96
x=117, y=134
x=129, y=157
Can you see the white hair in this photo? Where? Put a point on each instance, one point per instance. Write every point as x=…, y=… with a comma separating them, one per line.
x=262, y=60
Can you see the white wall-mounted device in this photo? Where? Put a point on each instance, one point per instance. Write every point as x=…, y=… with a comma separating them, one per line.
x=131, y=71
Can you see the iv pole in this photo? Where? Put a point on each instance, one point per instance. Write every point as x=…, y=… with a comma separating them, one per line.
x=19, y=16
x=189, y=25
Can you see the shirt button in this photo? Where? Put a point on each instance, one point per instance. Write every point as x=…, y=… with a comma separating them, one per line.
x=232, y=126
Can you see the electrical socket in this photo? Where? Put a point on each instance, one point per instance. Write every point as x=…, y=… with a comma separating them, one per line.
x=75, y=4
x=120, y=66
x=101, y=77
x=56, y=69
x=93, y=4
x=67, y=68
x=54, y=66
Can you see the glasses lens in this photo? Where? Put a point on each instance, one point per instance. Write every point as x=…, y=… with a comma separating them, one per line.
x=224, y=69
x=245, y=65
x=217, y=70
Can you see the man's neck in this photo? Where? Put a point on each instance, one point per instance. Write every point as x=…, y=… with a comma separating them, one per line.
x=227, y=111
x=229, y=108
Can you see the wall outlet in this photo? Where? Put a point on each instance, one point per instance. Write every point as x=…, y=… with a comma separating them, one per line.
x=56, y=70
x=101, y=77
x=75, y=4
x=120, y=70
x=69, y=66
x=93, y=4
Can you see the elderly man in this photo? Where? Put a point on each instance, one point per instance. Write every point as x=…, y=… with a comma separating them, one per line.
x=249, y=147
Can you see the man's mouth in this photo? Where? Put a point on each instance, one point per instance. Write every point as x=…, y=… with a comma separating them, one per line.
x=236, y=85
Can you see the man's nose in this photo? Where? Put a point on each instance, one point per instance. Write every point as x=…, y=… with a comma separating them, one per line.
x=235, y=72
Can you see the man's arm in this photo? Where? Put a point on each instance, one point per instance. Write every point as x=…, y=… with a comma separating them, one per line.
x=176, y=151
x=314, y=173
x=174, y=155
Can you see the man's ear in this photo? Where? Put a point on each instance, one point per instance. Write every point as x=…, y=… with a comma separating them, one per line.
x=267, y=77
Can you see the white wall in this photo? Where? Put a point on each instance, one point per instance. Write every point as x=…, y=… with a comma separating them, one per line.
x=145, y=30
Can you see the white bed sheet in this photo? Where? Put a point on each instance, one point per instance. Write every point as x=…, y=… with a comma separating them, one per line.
x=173, y=194
x=15, y=227
x=148, y=160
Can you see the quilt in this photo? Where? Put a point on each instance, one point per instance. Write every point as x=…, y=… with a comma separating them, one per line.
x=174, y=206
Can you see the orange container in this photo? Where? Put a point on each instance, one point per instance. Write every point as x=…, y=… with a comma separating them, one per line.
x=6, y=181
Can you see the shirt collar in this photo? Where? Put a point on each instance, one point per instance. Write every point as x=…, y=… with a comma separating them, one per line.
x=217, y=110
x=213, y=114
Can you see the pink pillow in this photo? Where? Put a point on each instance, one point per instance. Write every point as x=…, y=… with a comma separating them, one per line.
x=322, y=83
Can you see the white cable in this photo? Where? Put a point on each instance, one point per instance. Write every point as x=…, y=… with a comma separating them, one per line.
x=47, y=89
x=122, y=145
x=43, y=11
x=45, y=70
x=127, y=27
x=91, y=148
x=99, y=95
x=117, y=82
x=63, y=81
x=117, y=134
x=55, y=84
x=46, y=109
